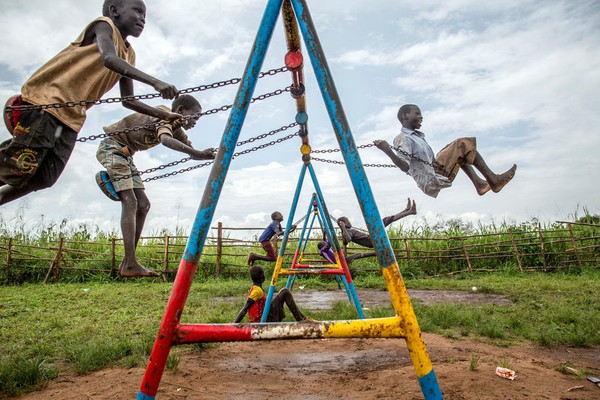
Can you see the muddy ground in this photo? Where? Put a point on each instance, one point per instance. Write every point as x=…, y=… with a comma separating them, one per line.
x=352, y=368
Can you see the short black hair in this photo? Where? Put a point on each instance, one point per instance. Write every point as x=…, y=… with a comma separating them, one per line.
x=107, y=4
x=257, y=274
x=345, y=220
x=321, y=244
x=405, y=109
x=276, y=214
x=186, y=101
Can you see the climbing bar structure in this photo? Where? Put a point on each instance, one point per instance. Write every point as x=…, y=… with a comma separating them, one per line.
x=402, y=325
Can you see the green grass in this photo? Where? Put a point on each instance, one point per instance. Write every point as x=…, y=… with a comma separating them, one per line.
x=83, y=327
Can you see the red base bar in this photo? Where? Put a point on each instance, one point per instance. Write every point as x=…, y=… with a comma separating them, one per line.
x=194, y=333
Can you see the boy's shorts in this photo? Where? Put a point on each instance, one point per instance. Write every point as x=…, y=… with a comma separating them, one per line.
x=122, y=171
x=268, y=247
x=38, y=152
x=460, y=151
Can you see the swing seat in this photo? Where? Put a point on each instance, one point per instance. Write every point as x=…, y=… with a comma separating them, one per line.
x=11, y=118
x=103, y=181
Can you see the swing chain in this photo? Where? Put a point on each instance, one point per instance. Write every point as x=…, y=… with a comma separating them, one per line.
x=343, y=163
x=110, y=100
x=262, y=146
x=364, y=146
x=172, y=164
x=162, y=123
x=264, y=135
x=210, y=162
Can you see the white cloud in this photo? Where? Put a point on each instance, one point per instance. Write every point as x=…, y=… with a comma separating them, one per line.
x=522, y=76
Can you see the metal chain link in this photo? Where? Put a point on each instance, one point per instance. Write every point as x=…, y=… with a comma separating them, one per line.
x=183, y=160
x=110, y=100
x=234, y=155
x=187, y=117
x=343, y=163
x=364, y=146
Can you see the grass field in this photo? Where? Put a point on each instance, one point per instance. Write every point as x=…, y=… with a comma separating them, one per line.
x=46, y=329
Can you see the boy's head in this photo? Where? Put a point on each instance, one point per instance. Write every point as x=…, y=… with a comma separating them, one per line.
x=410, y=116
x=277, y=216
x=321, y=244
x=187, y=105
x=128, y=15
x=345, y=221
x=257, y=274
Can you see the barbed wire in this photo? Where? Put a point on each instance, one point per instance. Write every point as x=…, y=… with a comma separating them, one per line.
x=110, y=100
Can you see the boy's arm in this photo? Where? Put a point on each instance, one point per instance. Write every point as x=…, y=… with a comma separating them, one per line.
x=385, y=147
x=243, y=311
x=103, y=34
x=174, y=144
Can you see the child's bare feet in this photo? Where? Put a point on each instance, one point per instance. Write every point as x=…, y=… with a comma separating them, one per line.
x=503, y=179
x=411, y=208
x=482, y=188
x=136, y=270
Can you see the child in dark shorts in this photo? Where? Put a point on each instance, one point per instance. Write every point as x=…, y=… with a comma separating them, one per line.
x=43, y=138
x=255, y=303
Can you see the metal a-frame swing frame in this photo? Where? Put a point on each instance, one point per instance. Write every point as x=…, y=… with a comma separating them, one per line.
x=402, y=325
x=340, y=269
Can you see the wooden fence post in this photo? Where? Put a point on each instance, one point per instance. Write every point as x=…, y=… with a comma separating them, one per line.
x=166, y=257
x=569, y=227
x=514, y=244
x=8, y=257
x=542, y=247
x=55, y=262
x=219, y=249
x=462, y=240
x=113, y=257
x=407, y=247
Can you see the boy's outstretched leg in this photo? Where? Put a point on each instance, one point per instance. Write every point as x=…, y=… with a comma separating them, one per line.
x=411, y=209
x=496, y=181
x=9, y=193
x=481, y=185
x=133, y=216
x=284, y=297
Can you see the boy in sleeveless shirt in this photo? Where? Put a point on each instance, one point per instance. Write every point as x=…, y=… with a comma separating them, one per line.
x=43, y=138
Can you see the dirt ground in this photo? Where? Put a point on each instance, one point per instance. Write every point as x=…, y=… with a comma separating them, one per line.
x=351, y=368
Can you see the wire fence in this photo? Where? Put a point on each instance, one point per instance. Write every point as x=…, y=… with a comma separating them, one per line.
x=566, y=245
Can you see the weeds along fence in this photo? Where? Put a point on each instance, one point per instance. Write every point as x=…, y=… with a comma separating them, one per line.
x=566, y=245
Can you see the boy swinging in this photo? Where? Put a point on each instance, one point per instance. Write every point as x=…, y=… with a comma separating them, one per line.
x=414, y=156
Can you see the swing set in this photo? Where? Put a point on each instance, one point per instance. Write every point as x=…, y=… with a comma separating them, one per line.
x=402, y=325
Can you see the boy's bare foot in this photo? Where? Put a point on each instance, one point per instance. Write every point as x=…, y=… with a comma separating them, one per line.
x=251, y=259
x=483, y=188
x=136, y=270
x=503, y=179
x=411, y=208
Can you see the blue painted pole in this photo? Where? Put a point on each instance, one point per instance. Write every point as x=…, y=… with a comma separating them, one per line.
x=204, y=215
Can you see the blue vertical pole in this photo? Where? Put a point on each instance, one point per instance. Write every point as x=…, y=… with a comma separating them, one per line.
x=206, y=209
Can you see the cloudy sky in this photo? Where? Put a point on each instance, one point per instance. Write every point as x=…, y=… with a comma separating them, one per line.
x=522, y=76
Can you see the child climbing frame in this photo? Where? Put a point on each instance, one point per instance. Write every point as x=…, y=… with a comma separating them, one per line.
x=339, y=270
x=403, y=325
